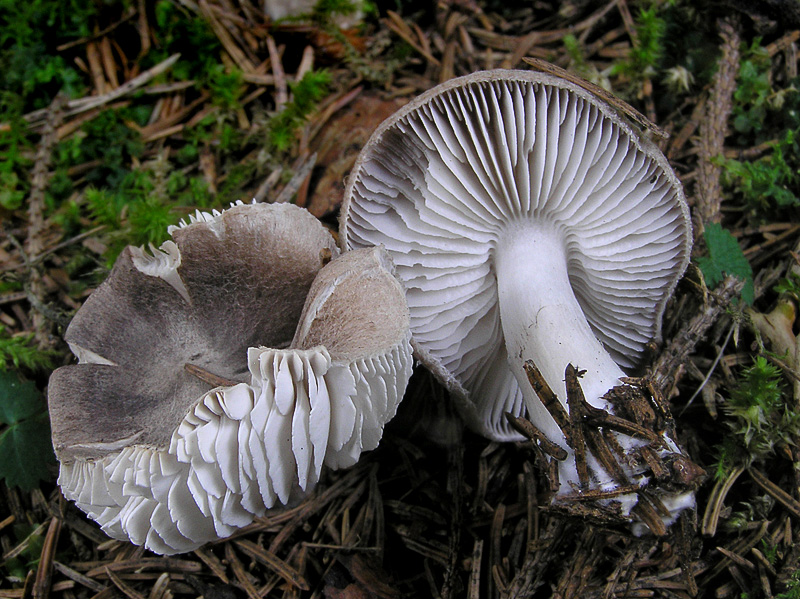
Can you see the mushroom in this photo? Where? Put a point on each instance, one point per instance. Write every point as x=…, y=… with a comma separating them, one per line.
x=536, y=231
x=219, y=374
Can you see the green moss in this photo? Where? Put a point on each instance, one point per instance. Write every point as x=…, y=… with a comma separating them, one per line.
x=20, y=352
x=13, y=144
x=282, y=128
x=763, y=419
x=643, y=59
x=763, y=114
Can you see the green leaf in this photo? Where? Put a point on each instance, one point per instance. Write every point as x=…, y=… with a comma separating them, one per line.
x=19, y=399
x=725, y=258
x=26, y=452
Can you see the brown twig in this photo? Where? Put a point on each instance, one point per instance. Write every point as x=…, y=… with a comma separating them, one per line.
x=240, y=572
x=281, y=88
x=209, y=377
x=274, y=563
x=547, y=396
x=37, y=117
x=664, y=371
x=89, y=583
x=716, y=500
x=781, y=496
x=34, y=260
x=527, y=428
x=618, y=104
x=301, y=174
x=44, y=573
x=34, y=244
x=125, y=588
x=225, y=38
x=474, y=586
x=455, y=485
x=713, y=128
x=396, y=23
x=129, y=14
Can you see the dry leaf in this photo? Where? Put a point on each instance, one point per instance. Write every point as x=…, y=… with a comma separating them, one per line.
x=338, y=144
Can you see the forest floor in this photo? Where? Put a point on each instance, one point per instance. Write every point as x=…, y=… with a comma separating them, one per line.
x=118, y=119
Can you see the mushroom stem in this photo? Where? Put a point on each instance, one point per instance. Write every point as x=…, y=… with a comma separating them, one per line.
x=542, y=321
x=544, y=324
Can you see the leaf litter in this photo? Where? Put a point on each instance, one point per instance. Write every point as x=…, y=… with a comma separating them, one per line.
x=435, y=511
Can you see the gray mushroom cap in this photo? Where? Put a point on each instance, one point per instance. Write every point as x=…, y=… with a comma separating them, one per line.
x=236, y=280
x=162, y=459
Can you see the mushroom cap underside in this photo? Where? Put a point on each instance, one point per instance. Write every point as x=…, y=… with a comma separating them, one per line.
x=442, y=182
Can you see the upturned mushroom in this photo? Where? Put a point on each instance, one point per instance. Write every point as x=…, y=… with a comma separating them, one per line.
x=217, y=376
x=539, y=236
